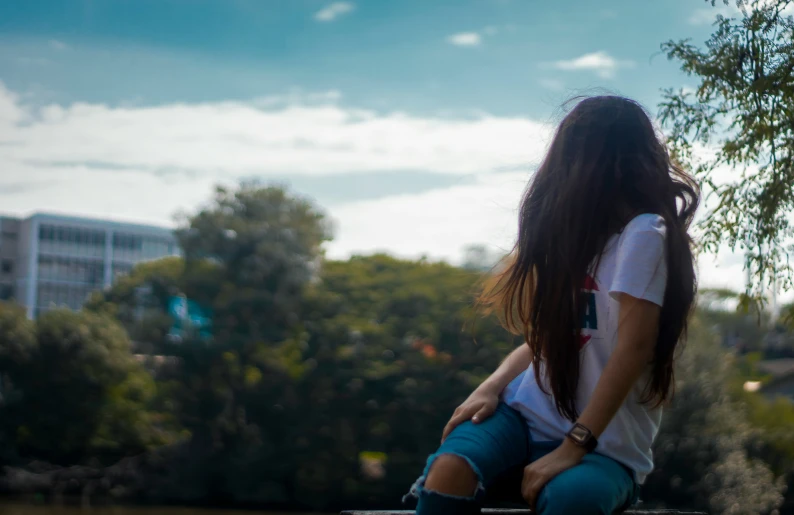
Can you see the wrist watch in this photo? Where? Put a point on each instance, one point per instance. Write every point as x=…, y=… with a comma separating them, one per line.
x=582, y=437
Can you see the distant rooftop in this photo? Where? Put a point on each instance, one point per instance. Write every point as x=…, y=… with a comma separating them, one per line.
x=96, y=222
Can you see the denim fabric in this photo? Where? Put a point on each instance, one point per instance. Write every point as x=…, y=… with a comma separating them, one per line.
x=501, y=445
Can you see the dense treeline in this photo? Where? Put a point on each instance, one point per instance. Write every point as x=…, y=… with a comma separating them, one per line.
x=319, y=384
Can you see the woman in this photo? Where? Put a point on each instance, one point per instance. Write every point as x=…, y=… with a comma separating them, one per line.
x=600, y=284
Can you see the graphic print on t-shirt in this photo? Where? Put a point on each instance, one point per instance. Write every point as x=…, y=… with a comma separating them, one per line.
x=589, y=324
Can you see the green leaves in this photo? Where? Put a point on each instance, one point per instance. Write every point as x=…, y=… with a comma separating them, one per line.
x=78, y=391
x=17, y=337
x=325, y=383
x=736, y=131
x=701, y=453
x=249, y=255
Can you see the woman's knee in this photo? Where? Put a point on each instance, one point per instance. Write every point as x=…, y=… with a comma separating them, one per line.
x=452, y=475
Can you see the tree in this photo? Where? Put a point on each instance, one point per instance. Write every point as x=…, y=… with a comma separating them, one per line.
x=79, y=393
x=17, y=343
x=17, y=337
x=381, y=353
x=249, y=256
x=740, y=322
x=393, y=346
x=736, y=131
x=479, y=258
x=325, y=384
x=139, y=302
x=701, y=454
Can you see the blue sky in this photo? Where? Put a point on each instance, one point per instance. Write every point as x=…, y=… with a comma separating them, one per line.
x=382, y=54
x=414, y=123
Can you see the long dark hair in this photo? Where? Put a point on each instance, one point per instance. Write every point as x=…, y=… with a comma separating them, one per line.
x=605, y=165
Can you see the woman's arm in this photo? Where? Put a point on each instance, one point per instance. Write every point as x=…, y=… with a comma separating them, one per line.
x=637, y=333
x=483, y=401
x=515, y=363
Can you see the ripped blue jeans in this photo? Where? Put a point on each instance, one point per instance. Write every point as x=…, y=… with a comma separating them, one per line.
x=498, y=448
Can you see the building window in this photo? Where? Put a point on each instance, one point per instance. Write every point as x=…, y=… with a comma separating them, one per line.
x=127, y=241
x=46, y=233
x=7, y=266
x=71, y=234
x=71, y=269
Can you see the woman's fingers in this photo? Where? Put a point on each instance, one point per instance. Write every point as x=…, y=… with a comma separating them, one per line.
x=484, y=412
x=461, y=415
x=452, y=424
x=530, y=488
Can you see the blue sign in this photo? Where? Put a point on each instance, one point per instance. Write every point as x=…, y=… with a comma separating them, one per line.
x=189, y=318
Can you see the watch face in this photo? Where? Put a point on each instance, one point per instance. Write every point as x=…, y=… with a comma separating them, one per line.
x=579, y=434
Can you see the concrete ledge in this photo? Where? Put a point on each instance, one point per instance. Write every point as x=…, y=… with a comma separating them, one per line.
x=487, y=511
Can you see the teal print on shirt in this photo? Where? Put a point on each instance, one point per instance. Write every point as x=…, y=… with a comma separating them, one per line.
x=590, y=315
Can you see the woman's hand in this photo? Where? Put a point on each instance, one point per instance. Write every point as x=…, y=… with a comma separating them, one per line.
x=480, y=405
x=540, y=472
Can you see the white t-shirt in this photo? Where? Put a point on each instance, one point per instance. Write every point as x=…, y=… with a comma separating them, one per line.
x=632, y=262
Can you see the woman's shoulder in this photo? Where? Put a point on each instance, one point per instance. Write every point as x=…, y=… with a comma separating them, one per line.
x=646, y=222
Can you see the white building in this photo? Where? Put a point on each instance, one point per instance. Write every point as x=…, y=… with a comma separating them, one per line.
x=51, y=261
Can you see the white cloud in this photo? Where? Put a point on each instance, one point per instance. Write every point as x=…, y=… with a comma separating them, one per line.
x=265, y=138
x=599, y=62
x=124, y=195
x=298, y=97
x=708, y=15
x=11, y=111
x=689, y=90
x=467, y=39
x=146, y=163
x=333, y=11
x=475, y=37
x=58, y=45
x=552, y=84
x=788, y=10
x=438, y=223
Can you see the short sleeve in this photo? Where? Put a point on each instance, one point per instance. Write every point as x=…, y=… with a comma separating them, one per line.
x=640, y=264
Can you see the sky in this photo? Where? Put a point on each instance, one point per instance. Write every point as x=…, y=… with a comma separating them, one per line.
x=414, y=124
